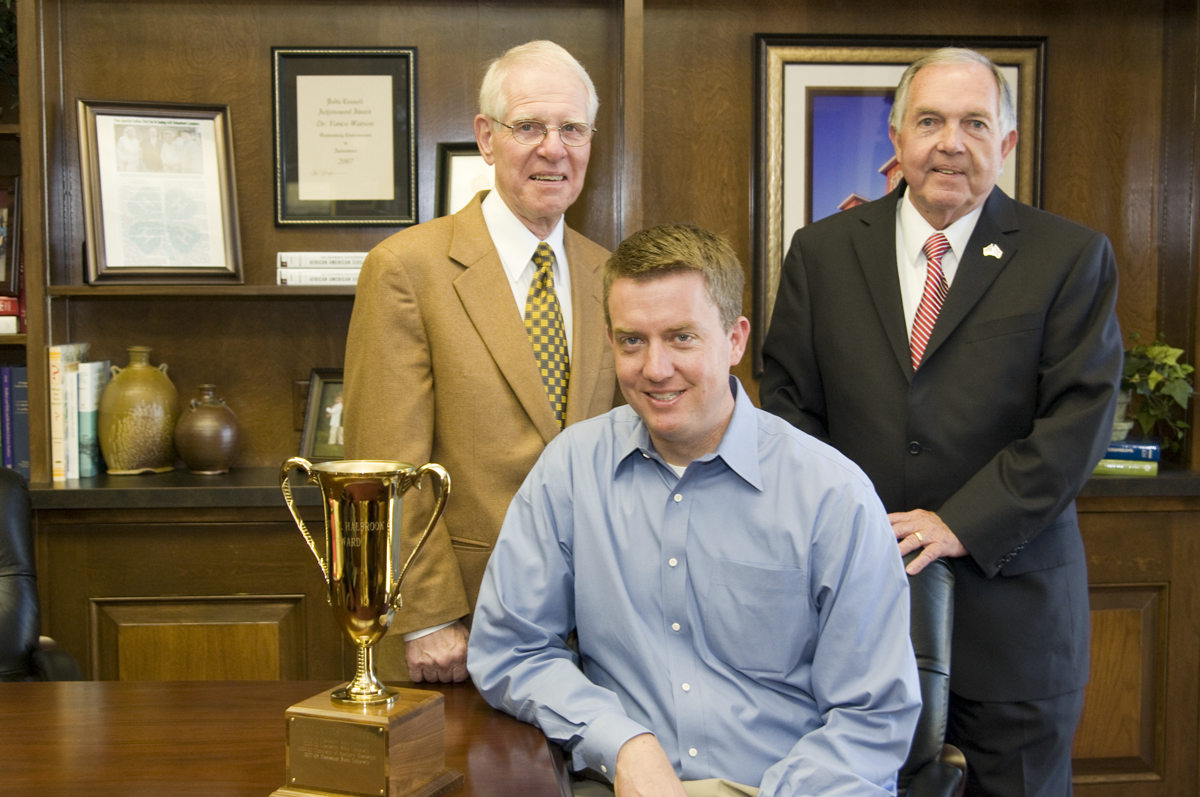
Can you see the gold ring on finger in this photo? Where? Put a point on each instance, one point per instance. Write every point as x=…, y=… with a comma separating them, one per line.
x=917, y=534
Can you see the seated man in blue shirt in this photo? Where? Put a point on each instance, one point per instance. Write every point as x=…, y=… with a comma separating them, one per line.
x=742, y=613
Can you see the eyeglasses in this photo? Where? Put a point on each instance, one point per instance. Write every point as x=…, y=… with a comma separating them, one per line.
x=573, y=134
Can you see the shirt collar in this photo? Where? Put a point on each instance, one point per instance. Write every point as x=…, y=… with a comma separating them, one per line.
x=738, y=447
x=515, y=244
x=917, y=230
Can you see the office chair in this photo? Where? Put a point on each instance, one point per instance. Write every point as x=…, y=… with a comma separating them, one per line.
x=933, y=768
x=24, y=656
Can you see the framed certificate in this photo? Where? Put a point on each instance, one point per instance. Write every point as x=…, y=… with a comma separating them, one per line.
x=159, y=199
x=345, y=135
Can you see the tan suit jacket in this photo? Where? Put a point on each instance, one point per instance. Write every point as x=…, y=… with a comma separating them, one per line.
x=439, y=368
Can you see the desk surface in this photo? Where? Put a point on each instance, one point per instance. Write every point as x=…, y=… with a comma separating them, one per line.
x=221, y=739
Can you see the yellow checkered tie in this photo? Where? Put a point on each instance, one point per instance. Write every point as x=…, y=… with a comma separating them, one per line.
x=544, y=323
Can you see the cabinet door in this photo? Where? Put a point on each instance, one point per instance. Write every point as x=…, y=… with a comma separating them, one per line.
x=186, y=595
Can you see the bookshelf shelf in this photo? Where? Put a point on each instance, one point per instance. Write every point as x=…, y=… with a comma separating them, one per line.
x=194, y=291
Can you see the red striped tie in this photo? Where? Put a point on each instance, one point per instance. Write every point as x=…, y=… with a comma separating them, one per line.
x=932, y=298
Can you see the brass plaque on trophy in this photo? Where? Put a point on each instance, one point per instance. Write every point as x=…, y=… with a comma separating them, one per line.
x=366, y=738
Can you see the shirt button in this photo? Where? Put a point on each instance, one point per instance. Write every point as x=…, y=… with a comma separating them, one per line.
x=678, y=498
x=687, y=687
x=604, y=769
x=674, y=626
x=914, y=448
x=693, y=752
x=672, y=561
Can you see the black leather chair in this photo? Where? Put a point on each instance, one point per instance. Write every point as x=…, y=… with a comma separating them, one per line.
x=933, y=768
x=24, y=656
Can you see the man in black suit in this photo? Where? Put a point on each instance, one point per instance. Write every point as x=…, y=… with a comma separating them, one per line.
x=973, y=379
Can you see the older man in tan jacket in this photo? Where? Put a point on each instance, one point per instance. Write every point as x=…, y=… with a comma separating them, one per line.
x=476, y=337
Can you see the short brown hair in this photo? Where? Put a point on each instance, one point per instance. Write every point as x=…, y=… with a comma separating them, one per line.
x=670, y=248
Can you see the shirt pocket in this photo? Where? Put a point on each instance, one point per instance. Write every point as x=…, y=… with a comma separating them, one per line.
x=756, y=617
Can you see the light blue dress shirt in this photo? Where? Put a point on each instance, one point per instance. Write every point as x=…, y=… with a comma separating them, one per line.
x=752, y=614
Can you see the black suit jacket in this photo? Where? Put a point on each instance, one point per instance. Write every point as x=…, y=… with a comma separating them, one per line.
x=996, y=432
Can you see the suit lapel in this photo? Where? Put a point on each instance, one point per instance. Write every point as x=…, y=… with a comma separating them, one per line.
x=587, y=346
x=875, y=245
x=484, y=291
x=977, y=271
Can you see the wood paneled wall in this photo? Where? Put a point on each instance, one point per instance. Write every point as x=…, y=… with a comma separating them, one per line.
x=1103, y=117
x=192, y=51
x=220, y=52
x=676, y=80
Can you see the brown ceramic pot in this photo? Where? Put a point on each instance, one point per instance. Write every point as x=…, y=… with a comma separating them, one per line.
x=208, y=434
x=137, y=417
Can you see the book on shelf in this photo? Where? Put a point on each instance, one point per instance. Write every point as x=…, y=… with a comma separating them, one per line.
x=10, y=315
x=93, y=378
x=58, y=357
x=1125, y=467
x=320, y=259
x=70, y=394
x=1149, y=451
x=316, y=276
x=14, y=417
x=6, y=417
x=21, y=293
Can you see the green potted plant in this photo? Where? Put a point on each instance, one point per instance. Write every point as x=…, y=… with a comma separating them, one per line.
x=1159, y=387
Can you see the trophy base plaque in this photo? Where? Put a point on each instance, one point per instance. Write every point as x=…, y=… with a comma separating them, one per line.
x=383, y=750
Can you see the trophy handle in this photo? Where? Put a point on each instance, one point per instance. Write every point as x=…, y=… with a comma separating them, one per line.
x=441, y=484
x=306, y=466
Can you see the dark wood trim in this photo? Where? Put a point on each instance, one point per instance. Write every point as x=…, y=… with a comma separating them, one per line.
x=179, y=489
x=632, y=91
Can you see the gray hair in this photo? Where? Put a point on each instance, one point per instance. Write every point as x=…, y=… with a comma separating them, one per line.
x=954, y=55
x=542, y=54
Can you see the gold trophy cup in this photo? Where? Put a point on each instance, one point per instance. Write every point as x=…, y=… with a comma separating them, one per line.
x=366, y=738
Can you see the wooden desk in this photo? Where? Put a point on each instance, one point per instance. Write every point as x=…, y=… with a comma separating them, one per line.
x=222, y=739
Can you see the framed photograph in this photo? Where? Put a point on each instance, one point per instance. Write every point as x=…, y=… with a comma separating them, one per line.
x=10, y=236
x=345, y=135
x=159, y=197
x=461, y=174
x=822, y=141
x=322, y=438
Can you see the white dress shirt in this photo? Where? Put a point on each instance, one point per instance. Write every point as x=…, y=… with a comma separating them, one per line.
x=516, y=244
x=912, y=231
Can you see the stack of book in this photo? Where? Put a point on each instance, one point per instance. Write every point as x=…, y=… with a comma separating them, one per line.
x=1130, y=459
x=318, y=268
x=75, y=389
